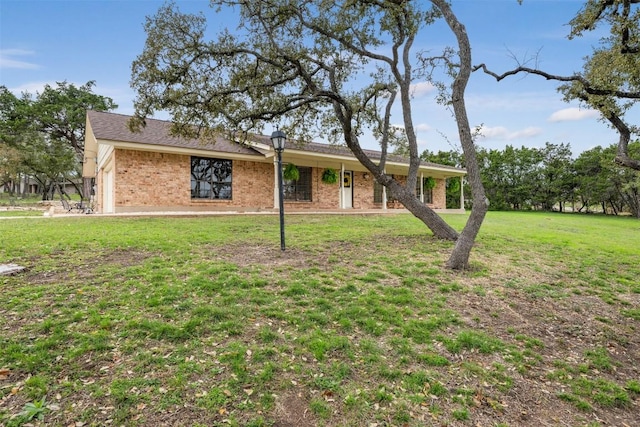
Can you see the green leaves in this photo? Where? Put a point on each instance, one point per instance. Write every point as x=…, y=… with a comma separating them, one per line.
x=46, y=132
x=35, y=409
x=309, y=60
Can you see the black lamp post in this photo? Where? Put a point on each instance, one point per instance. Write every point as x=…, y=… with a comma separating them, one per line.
x=278, y=138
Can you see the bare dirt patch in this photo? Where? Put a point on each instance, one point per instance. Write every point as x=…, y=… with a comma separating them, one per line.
x=292, y=410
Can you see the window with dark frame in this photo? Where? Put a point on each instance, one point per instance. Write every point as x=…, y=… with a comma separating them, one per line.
x=428, y=195
x=377, y=192
x=299, y=190
x=211, y=178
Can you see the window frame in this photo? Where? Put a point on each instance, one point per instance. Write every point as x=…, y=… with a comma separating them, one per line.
x=299, y=190
x=212, y=180
x=377, y=192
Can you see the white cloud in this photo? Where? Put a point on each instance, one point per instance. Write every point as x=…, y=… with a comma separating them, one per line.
x=421, y=89
x=528, y=132
x=502, y=133
x=423, y=127
x=31, y=87
x=8, y=60
x=573, y=114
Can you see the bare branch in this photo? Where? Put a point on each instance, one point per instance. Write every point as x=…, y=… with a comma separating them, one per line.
x=588, y=87
x=624, y=131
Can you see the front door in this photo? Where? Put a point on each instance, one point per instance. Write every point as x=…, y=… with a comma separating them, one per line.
x=107, y=192
x=347, y=190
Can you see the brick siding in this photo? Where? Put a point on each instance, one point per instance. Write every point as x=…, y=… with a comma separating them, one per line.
x=363, y=191
x=150, y=180
x=439, y=194
x=323, y=196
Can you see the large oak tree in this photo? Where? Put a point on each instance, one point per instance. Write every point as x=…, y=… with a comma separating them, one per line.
x=48, y=128
x=315, y=68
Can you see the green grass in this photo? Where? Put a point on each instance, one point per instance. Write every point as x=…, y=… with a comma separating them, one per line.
x=204, y=321
x=21, y=213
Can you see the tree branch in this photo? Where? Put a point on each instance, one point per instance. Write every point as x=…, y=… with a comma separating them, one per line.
x=622, y=157
x=588, y=87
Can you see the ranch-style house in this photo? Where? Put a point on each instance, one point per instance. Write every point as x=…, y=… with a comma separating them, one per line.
x=153, y=171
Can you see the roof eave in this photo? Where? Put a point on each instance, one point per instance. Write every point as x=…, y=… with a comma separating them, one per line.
x=140, y=146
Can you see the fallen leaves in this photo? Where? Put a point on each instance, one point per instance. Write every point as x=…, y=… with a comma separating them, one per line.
x=4, y=373
x=328, y=396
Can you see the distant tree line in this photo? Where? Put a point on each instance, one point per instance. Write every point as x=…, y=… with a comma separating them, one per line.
x=551, y=179
x=42, y=138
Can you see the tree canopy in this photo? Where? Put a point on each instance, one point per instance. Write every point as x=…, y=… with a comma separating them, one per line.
x=319, y=68
x=47, y=131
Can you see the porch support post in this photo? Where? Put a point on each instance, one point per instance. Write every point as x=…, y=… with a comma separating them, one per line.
x=461, y=193
x=342, y=186
x=276, y=192
x=384, y=194
x=421, y=187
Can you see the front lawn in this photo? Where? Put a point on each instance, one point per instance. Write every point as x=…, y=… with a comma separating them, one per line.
x=205, y=322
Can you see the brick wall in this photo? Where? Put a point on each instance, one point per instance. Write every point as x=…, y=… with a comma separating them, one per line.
x=363, y=191
x=439, y=194
x=323, y=196
x=149, y=180
x=145, y=178
x=153, y=180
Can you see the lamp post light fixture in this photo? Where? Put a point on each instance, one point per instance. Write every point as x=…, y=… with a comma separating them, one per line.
x=278, y=139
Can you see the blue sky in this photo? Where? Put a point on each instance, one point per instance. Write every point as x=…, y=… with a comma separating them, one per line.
x=44, y=41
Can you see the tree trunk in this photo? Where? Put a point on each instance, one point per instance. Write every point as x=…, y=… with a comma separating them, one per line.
x=25, y=186
x=86, y=188
x=432, y=220
x=459, y=258
x=48, y=191
x=404, y=194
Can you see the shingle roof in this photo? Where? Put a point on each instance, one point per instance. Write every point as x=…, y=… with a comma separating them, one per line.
x=338, y=150
x=111, y=126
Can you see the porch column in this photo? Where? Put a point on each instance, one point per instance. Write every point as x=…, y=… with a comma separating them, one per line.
x=461, y=193
x=342, y=186
x=384, y=194
x=421, y=187
x=276, y=191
